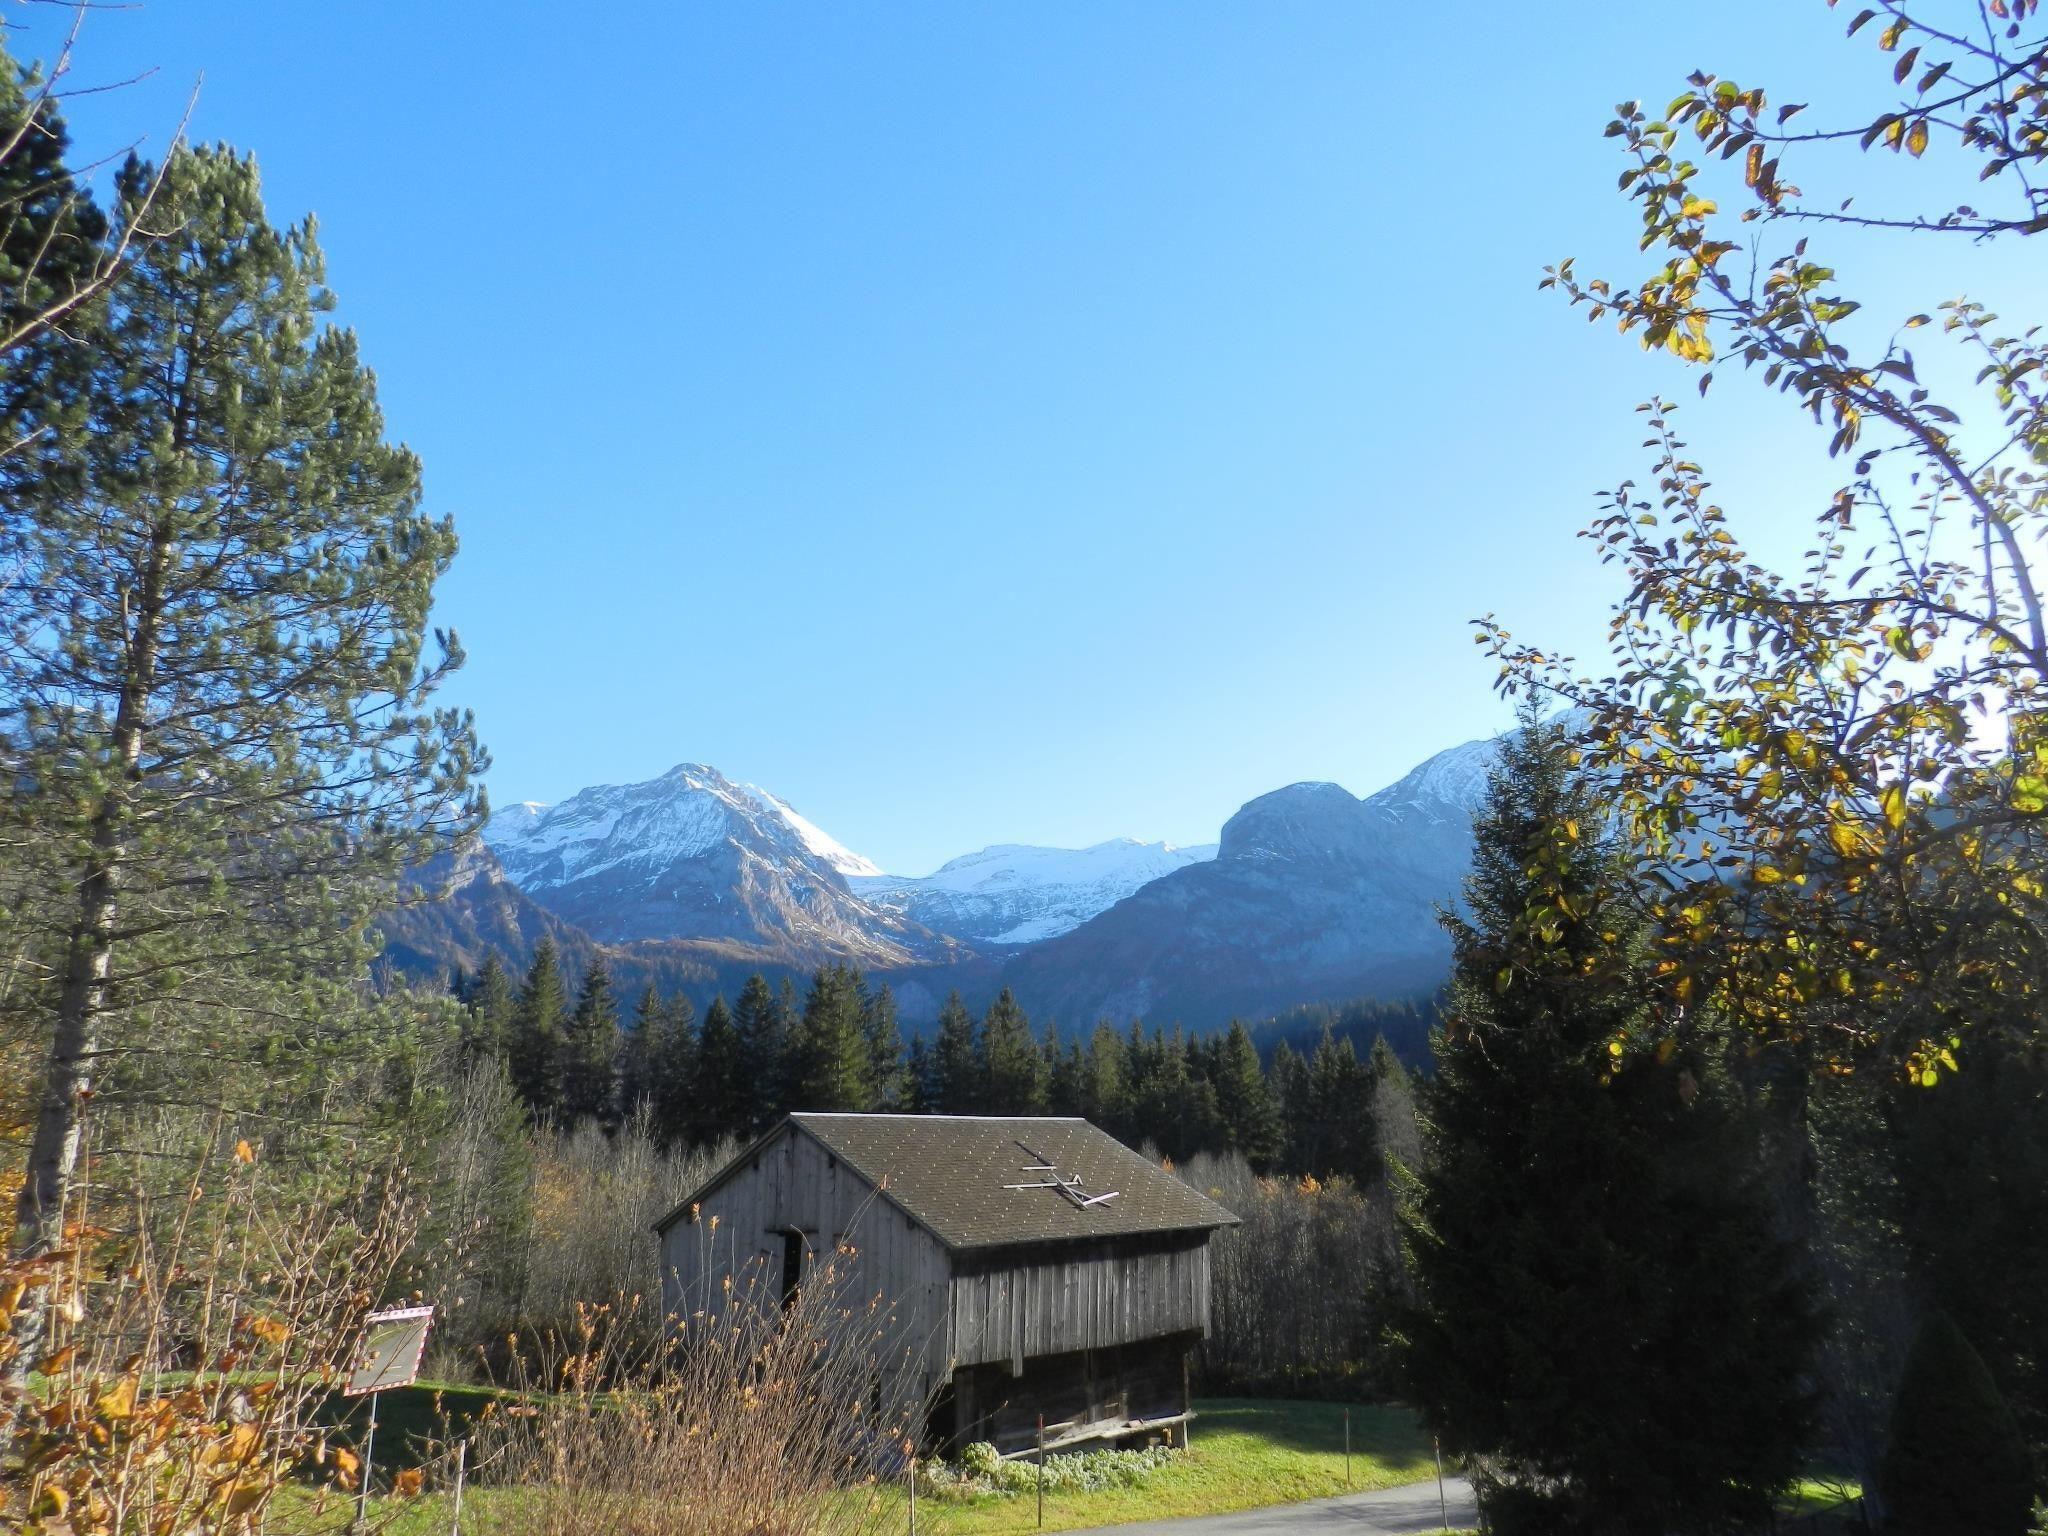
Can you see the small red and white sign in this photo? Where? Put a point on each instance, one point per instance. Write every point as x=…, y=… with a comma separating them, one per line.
x=388, y=1355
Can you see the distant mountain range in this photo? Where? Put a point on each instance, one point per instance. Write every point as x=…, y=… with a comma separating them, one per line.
x=1012, y=894
x=693, y=880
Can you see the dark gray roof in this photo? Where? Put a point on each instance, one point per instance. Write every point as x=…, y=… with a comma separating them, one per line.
x=949, y=1172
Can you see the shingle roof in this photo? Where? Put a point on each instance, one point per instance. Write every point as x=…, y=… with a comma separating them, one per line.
x=950, y=1172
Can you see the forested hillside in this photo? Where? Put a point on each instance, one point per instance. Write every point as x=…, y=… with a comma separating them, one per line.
x=1294, y=1094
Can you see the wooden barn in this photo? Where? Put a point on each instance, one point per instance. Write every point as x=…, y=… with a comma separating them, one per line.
x=1031, y=1266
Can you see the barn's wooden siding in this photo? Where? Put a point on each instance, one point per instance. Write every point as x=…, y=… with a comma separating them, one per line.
x=794, y=1185
x=1014, y=1304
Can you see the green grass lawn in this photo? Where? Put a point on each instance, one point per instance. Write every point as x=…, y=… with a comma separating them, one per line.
x=1245, y=1453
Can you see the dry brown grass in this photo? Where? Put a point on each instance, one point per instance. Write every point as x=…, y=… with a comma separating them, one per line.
x=752, y=1419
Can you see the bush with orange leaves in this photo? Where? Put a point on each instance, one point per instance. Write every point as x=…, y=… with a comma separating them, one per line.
x=178, y=1351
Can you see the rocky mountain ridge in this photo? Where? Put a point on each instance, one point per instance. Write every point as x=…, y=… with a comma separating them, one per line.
x=1311, y=894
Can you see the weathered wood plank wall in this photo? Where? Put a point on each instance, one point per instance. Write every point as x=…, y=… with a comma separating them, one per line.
x=1019, y=1304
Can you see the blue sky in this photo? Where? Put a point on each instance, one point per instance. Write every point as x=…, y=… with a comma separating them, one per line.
x=993, y=422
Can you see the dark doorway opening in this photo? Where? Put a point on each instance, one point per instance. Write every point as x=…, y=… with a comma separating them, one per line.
x=792, y=1266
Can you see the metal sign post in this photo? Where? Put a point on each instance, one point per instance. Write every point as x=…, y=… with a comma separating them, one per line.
x=462, y=1465
x=387, y=1355
x=1041, y=1471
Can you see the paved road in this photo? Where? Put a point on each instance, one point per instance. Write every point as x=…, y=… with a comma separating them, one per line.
x=1389, y=1512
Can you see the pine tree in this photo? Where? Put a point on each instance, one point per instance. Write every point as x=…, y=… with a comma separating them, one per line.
x=538, y=1021
x=1012, y=1071
x=488, y=1012
x=1173, y=1104
x=886, y=1090
x=1066, y=1072
x=1956, y=1461
x=722, y=1103
x=918, y=1097
x=1251, y=1122
x=1604, y=1314
x=764, y=1048
x=590, y=1051
x=214, y=644
x=1288, y=1078
x=1105, y=1088
x=830, y=1050
x=52, y=256
x=672, y=1074
x=1335, y=1131
x=788, y=1013
x=957, y=1084
x=638, y=1047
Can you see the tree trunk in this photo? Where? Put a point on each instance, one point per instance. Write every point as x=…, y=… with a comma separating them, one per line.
x=88, y=961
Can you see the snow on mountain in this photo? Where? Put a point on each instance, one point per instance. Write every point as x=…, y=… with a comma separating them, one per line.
x=693, y=855
x=1013, y=893
x=1447, y=787
x=830, y=849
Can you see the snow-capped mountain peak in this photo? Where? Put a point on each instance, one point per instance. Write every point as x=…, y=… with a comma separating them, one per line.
x=693, y=855
x=1014, y=893
x=821, y=843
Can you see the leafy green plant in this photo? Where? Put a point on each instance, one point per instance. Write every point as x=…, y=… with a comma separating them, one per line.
x=981, y=1472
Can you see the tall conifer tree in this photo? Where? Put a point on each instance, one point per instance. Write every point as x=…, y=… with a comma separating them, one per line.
x=590, y=1050
x=215, y=653
x=537, y=1024
x=723, y=1103
x=1013, y=1072
x=957, y=1086
x=487, y=1017
x=1605, y=1314
x=764, y=1048
x=830, y=1052
x=638, y=1047
x=1251, y=1123
x=1105, y=1087
x=672, y=1074
x=885, y=1049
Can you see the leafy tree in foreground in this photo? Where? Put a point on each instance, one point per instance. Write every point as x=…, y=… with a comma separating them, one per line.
x=1804, y=755
x=214, y=651
x=1956, y=1462
x=1604, y=1319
